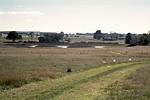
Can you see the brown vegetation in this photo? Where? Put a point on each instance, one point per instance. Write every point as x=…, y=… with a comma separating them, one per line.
x=19, y=66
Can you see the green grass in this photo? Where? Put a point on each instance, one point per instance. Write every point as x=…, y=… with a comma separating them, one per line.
x=134, y=87
x=95, y=88
x=82, y=85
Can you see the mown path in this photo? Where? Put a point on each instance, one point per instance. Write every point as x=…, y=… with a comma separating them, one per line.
x=87, y=85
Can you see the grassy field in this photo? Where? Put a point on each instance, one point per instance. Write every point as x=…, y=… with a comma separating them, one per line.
x=34, y=72
x=134, y=87
x=93, y=84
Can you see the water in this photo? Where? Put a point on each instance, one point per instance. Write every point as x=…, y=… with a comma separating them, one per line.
x=99, y=47
x=62, y=46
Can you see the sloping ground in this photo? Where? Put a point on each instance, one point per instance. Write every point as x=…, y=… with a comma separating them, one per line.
x=87, y=85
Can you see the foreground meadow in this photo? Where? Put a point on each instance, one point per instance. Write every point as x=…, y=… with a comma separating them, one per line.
x=37, y=66
x=94, y=84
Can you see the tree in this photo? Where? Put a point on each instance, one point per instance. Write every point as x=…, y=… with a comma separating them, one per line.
x=98, y=35
x=144, y=39
x=13, y=35
x=41, y=39
x=51, y=38
x=145, y=42
x=128, y=38
x=133, y=41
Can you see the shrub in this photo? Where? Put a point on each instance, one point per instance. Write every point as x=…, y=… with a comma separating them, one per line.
x=69, y=70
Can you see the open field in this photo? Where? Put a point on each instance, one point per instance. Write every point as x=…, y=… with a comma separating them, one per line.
x=20, y=66
x=93, y=84
x=33, y=64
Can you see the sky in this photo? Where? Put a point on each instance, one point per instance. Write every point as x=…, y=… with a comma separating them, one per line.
x=71, y=16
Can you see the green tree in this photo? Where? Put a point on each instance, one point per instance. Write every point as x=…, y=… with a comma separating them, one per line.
x=144, y=39
x=20, y=37
x=128, y=38
x=98, y=35
x=51, y=38
x=145, y=42
x=13, y=35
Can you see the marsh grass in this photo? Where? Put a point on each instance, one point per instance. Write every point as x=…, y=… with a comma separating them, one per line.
x=19, y=66
x=49, y=89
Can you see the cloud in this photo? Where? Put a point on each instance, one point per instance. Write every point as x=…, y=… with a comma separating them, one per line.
x=21, y=13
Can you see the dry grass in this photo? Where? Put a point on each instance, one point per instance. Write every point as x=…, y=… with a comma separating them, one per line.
x=22, y=65
x=81, y=85
x=134, y=87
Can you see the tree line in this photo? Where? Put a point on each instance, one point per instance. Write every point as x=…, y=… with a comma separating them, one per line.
x=131, y=39
x=137, y=39
x=45, y=38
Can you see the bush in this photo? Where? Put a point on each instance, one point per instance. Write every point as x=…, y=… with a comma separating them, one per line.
x=69, y=70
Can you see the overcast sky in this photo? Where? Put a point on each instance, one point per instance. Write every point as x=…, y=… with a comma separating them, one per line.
x=75, y=15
